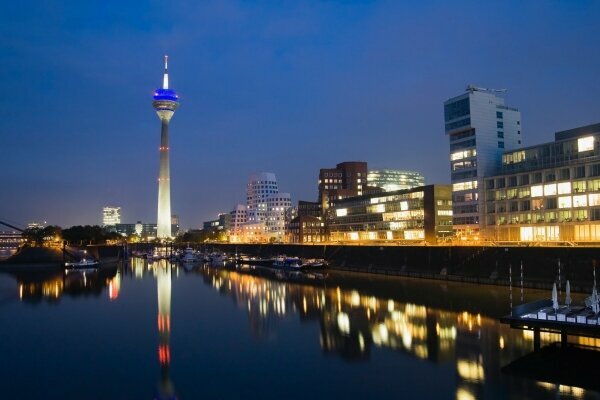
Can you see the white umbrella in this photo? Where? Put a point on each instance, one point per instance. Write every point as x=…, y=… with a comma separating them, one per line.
x=568, y=295
x=554, y=297
x=595, y=307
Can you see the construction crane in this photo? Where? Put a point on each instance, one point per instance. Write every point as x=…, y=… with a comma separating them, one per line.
x=473, y=88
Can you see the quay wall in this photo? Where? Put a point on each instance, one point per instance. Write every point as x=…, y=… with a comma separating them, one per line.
x=476, y=264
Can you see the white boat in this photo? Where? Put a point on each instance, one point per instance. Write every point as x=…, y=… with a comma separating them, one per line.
x=189, y=256
x=283, y=262
x=218, y=259
x=84, y=263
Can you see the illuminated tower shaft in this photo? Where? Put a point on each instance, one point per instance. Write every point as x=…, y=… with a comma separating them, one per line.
x=164, y=182
x=165, y=103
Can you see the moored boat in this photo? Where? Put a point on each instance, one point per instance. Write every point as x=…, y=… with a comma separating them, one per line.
x=84, y=263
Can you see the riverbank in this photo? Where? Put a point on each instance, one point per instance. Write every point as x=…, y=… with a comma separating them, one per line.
x=489, y=265
x=53, y=258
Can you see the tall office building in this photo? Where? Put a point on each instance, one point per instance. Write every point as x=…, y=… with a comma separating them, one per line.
x=480, y=127
x=111, y=216
x=395, y=179
x=165, y=103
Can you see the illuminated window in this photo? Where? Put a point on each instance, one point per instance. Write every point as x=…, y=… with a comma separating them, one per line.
x=564, y=202
x=537, y=191
x=444, y=212
x=414, y=234
x=552, y=233
x=404, y=205
x=580, y=201
x=341, y=212
x=550, y=189
x=594, y=200
x=585, y=143
x=464, y=186
x=564, y=188
x=526, y=233
x=459, y=155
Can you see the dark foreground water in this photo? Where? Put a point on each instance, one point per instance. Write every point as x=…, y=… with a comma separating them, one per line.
x=148, y=331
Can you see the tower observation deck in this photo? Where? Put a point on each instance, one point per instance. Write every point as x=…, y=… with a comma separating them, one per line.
x=165, y=103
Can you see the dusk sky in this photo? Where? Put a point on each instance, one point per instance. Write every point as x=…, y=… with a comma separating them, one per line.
x=285, y=87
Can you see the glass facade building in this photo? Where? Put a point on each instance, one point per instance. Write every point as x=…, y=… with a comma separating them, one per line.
x=479, y=128
x=395, y=179
x=419, y=214
x=549, y=192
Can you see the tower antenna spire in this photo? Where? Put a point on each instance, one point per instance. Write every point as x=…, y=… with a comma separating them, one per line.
x=166, y=75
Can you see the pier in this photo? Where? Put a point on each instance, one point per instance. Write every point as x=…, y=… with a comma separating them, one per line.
x=539, y=316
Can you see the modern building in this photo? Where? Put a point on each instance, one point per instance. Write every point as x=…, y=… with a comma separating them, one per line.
x=480, y=128
x=238, y=218
x=394, y=179
x=166, y=101
x=37, y=225
x=143, y=230
x=307, y=229
x=263, y=218
x=221, y=224
x=418, y=214
x=548, y=192
x=175, y=227
x=111, y=216
x=347, y=179
x=309, y=208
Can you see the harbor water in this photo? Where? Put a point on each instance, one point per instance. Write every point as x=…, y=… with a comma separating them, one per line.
x=154, y=330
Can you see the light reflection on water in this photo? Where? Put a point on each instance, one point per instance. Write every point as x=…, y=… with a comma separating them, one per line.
x=382, y=322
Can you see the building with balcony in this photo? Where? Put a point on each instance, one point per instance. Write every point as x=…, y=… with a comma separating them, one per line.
x=422, y=214
x=549, y=192
x=480, y=128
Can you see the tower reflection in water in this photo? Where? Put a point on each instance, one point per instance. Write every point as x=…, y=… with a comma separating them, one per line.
x=163, y=284
x=352, y=324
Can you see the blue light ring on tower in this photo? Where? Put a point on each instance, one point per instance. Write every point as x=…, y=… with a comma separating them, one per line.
x=166, y=94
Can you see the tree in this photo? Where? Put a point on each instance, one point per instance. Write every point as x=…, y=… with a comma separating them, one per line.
x=40, y=235
x=88, y=235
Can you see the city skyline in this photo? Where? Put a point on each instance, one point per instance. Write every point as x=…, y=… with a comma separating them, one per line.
x=326, y=83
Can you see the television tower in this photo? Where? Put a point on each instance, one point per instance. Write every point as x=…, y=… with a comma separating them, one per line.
x=165, y=103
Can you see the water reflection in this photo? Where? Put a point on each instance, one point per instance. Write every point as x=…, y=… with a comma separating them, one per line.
x=163, y=284
x=35, y=287
x=353, y=324
x=359, y=319
x=162, y=271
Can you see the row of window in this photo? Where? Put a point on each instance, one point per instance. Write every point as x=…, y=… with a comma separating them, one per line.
x=462, y=145
x=541, y=217
x=550, y=189
x=545, y=176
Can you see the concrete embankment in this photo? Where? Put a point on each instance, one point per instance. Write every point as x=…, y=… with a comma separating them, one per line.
x=475, y=264
x=48, y=258
x=33, y=258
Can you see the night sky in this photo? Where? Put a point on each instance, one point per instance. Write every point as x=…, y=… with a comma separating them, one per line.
x=286, y=87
